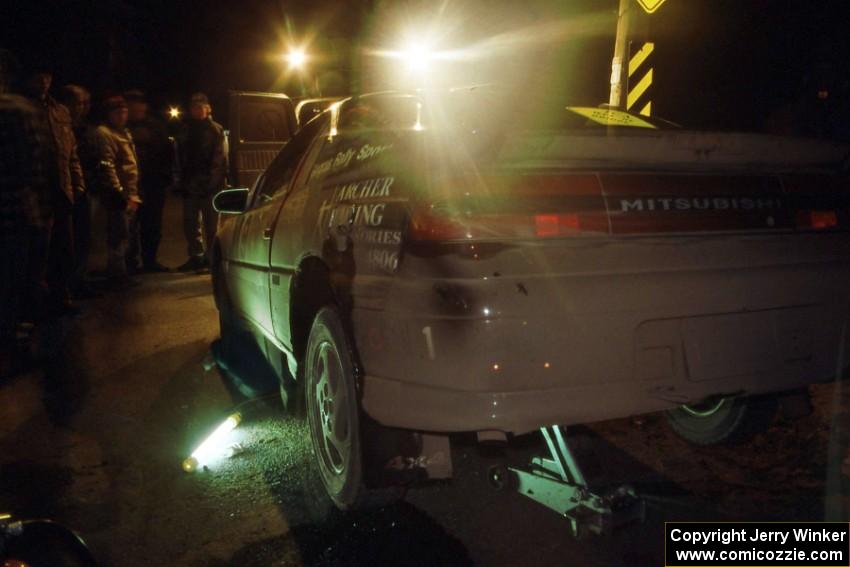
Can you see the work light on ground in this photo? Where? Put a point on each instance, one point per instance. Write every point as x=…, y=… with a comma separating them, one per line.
x=213, y=446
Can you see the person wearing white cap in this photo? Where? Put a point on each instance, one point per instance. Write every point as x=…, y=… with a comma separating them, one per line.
x=118, y=174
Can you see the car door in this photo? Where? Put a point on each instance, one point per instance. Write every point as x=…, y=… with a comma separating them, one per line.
x=291, y=226
x=249, y=268
x=260, y=125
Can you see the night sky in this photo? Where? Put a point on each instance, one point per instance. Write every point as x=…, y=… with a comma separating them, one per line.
x=728, y=64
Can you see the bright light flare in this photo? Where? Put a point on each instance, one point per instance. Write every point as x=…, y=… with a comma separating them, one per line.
x=418, y=125
x=420, y=54
x=214, y=445
x=417, y=58
x=334, y=110
x=296, y=58
x=174, y=113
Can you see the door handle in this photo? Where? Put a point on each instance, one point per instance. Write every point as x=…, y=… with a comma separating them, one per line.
x=267, y=233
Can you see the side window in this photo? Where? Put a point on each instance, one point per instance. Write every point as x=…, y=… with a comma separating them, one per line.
x=279, y=175
x=296, y=201
x=255, y=187
x=310, y=159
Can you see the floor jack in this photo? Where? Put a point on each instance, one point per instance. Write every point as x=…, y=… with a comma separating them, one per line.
x=559, y=484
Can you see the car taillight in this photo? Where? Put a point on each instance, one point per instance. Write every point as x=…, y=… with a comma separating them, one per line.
x=515, y=207
x=818, y=202
x=428, y=224
x=556, y=225
x=818, y=220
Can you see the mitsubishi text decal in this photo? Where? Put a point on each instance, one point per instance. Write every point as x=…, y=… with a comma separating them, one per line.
x=642, y=204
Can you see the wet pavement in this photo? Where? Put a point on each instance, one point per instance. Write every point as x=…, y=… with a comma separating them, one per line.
x=112, y=467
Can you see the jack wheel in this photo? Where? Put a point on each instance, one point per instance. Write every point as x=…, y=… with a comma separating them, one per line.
x=501, y=478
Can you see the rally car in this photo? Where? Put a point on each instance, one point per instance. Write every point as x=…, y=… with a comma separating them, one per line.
x=446, y=263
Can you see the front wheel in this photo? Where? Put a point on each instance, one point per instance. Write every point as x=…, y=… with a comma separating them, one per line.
x=722, y=419
x=222, y=300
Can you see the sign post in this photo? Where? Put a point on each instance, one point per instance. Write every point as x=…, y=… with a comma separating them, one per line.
x=621, y=45
x=622, y=65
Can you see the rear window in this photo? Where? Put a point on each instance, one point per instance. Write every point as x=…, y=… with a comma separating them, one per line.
x=384, y=112
x=495, y=107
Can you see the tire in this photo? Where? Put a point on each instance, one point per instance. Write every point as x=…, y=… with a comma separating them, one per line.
x=222, y=300
x=44, y=542
x=719, y=420
x=223, y=346
x=334, y=417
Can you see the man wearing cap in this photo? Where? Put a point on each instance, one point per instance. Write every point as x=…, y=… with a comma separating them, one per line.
x=203, y=168
x=154, y=153
x=55, y=253
x=118, y=175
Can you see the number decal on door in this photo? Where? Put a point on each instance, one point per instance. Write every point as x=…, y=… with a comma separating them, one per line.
x=429, y=342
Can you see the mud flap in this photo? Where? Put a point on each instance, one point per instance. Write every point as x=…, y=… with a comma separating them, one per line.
x=404, y=457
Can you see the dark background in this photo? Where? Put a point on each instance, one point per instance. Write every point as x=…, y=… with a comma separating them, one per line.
x=725, y=64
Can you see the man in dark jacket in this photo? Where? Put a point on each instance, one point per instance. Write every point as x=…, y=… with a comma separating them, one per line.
x=203, y=172
x=64, y=181
x=22, y=192
x=118, y=186
x=78, y=101
x=155, y=153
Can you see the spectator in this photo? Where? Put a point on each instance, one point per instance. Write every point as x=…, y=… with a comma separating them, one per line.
x=55, y=255
x=155, y=153
x=22, y=192
x=118, y=176
x=203, y=175
x=78, y=101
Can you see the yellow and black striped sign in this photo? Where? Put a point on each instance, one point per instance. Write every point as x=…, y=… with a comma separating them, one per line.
x=650, y=6
x=640, y=78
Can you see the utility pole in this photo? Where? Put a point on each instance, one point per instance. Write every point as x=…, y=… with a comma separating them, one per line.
x=625, y=16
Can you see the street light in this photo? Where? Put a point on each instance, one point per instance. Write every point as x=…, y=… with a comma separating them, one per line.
x=174, y=113
x=296, y=59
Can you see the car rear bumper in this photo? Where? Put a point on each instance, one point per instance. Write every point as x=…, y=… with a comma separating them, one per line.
x=419, y=407
x=516, y=353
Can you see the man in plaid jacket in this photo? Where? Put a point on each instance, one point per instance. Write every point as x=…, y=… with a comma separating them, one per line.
x=64, y=181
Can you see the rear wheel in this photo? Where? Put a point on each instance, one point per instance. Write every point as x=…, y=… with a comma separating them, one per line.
x=333, y=414
x=722, y=419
